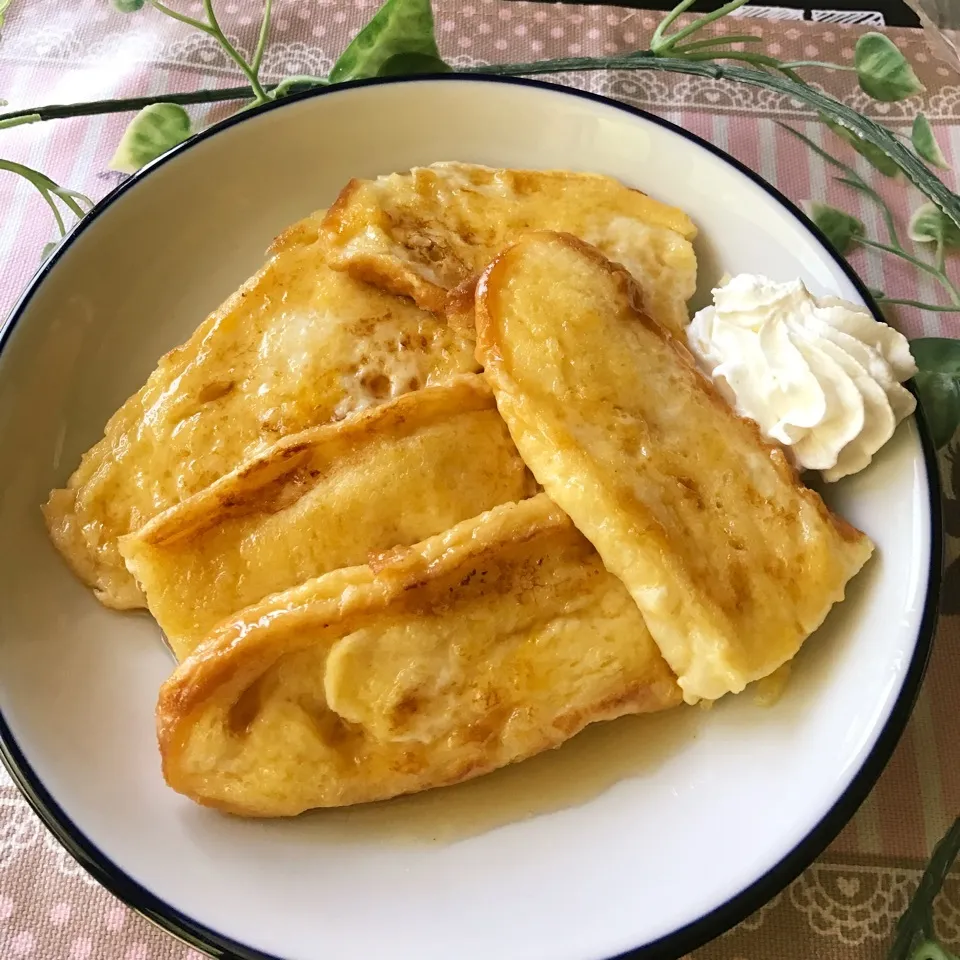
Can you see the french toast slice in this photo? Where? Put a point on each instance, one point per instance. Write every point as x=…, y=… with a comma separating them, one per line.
x=732, y=561
x=325, y=498
x=495, y=640
x=298, y=345
x=427, y=232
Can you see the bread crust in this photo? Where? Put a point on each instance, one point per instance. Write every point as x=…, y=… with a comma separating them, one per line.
x=731, y=559
x=326, y=498
x=298, y=345
x=505, y=609
x=427, y=234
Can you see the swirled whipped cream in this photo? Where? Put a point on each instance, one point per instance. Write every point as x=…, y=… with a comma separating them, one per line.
x=819, y=375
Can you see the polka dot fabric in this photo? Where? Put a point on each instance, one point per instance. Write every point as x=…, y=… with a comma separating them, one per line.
x=845, y=906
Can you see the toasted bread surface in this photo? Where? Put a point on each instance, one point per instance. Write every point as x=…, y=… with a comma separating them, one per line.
x=486, y=644
x=731, y=559
x=325, y=498
x=425, y=232
x=298, y=345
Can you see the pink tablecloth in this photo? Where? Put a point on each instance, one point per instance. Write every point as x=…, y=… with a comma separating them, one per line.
x=842, y=907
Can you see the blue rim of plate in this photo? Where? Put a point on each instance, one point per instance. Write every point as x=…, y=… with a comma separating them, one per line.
x=673, y=945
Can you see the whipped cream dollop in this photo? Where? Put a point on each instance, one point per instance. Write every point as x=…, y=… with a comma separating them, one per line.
x=818, y=374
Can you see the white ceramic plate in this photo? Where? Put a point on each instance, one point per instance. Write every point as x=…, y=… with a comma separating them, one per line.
x=651, y=833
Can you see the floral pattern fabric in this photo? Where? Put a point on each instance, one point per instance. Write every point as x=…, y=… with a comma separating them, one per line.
x=846, y=904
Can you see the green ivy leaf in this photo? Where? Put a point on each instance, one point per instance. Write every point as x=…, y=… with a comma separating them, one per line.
x=297, y=84
x=873, y=155
x=4, y=6
x=915, y=935
x=398, y=27
x=48, y=248
x=151, y=133
x=409, y=64
x=883, y=71
x=925, y=143
x=938, y=384
x=841, y=229
x=929, y=224
x=128, y=6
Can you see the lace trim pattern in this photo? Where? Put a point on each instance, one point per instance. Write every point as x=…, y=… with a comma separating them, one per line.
x=59, y=44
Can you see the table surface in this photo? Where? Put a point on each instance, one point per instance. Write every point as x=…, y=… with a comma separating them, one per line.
x=893, y=13
x=845, y=905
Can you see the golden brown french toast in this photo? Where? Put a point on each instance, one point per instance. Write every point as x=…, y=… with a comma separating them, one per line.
x=426, y=232
x=486, y=644
x=325, y=498
x=732, y=561
x=298, y=345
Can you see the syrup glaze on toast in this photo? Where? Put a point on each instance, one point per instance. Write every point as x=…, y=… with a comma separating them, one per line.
x=427, y=232
x=732, y=560
x=489, y=643
x=325, y=498
x=296, y=346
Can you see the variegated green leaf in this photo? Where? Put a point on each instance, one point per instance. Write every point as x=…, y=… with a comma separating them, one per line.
x=925, y=143
x=398, y=27
x=873, y=155
x=883, y=71
x=841, y=229
x=151, y=133
x=929, y=224
x=938, y=383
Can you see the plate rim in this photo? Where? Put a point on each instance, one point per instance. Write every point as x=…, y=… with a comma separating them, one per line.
x=685, y=939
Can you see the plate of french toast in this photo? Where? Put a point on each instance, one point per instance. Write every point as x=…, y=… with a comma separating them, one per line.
x=531, y=554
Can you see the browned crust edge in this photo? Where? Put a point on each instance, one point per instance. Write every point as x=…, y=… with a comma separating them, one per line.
x=87, y=569
x=299, y=234
x=244, y=647
x=236, y=493
x=240, y=652
x=489, y=353
x=378, y=270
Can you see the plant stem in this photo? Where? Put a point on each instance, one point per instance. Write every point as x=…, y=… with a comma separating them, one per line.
x=127, y=104
x=710, y=42
x=82, y=197
x=17, y=121
x=699, y=23
x=914, y=937
x=900, y=252
x=934, y=271
x=913, y=168
x=61, y=226
x=69, y=197
x=182, y=17
x=793, y=64
x=852, y=180
x=928, y=950
x=932, y=307
x=43, y=185
x=667, y=22
x=744, y=55
x=856, y=182
x=262, y=38
x=233, y=53
x=28, y=173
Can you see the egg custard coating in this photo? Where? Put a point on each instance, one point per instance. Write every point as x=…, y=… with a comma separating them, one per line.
x=325, y=498
x=298, y=345
x=428, y=232
x=731, y=559
x=495, y=640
